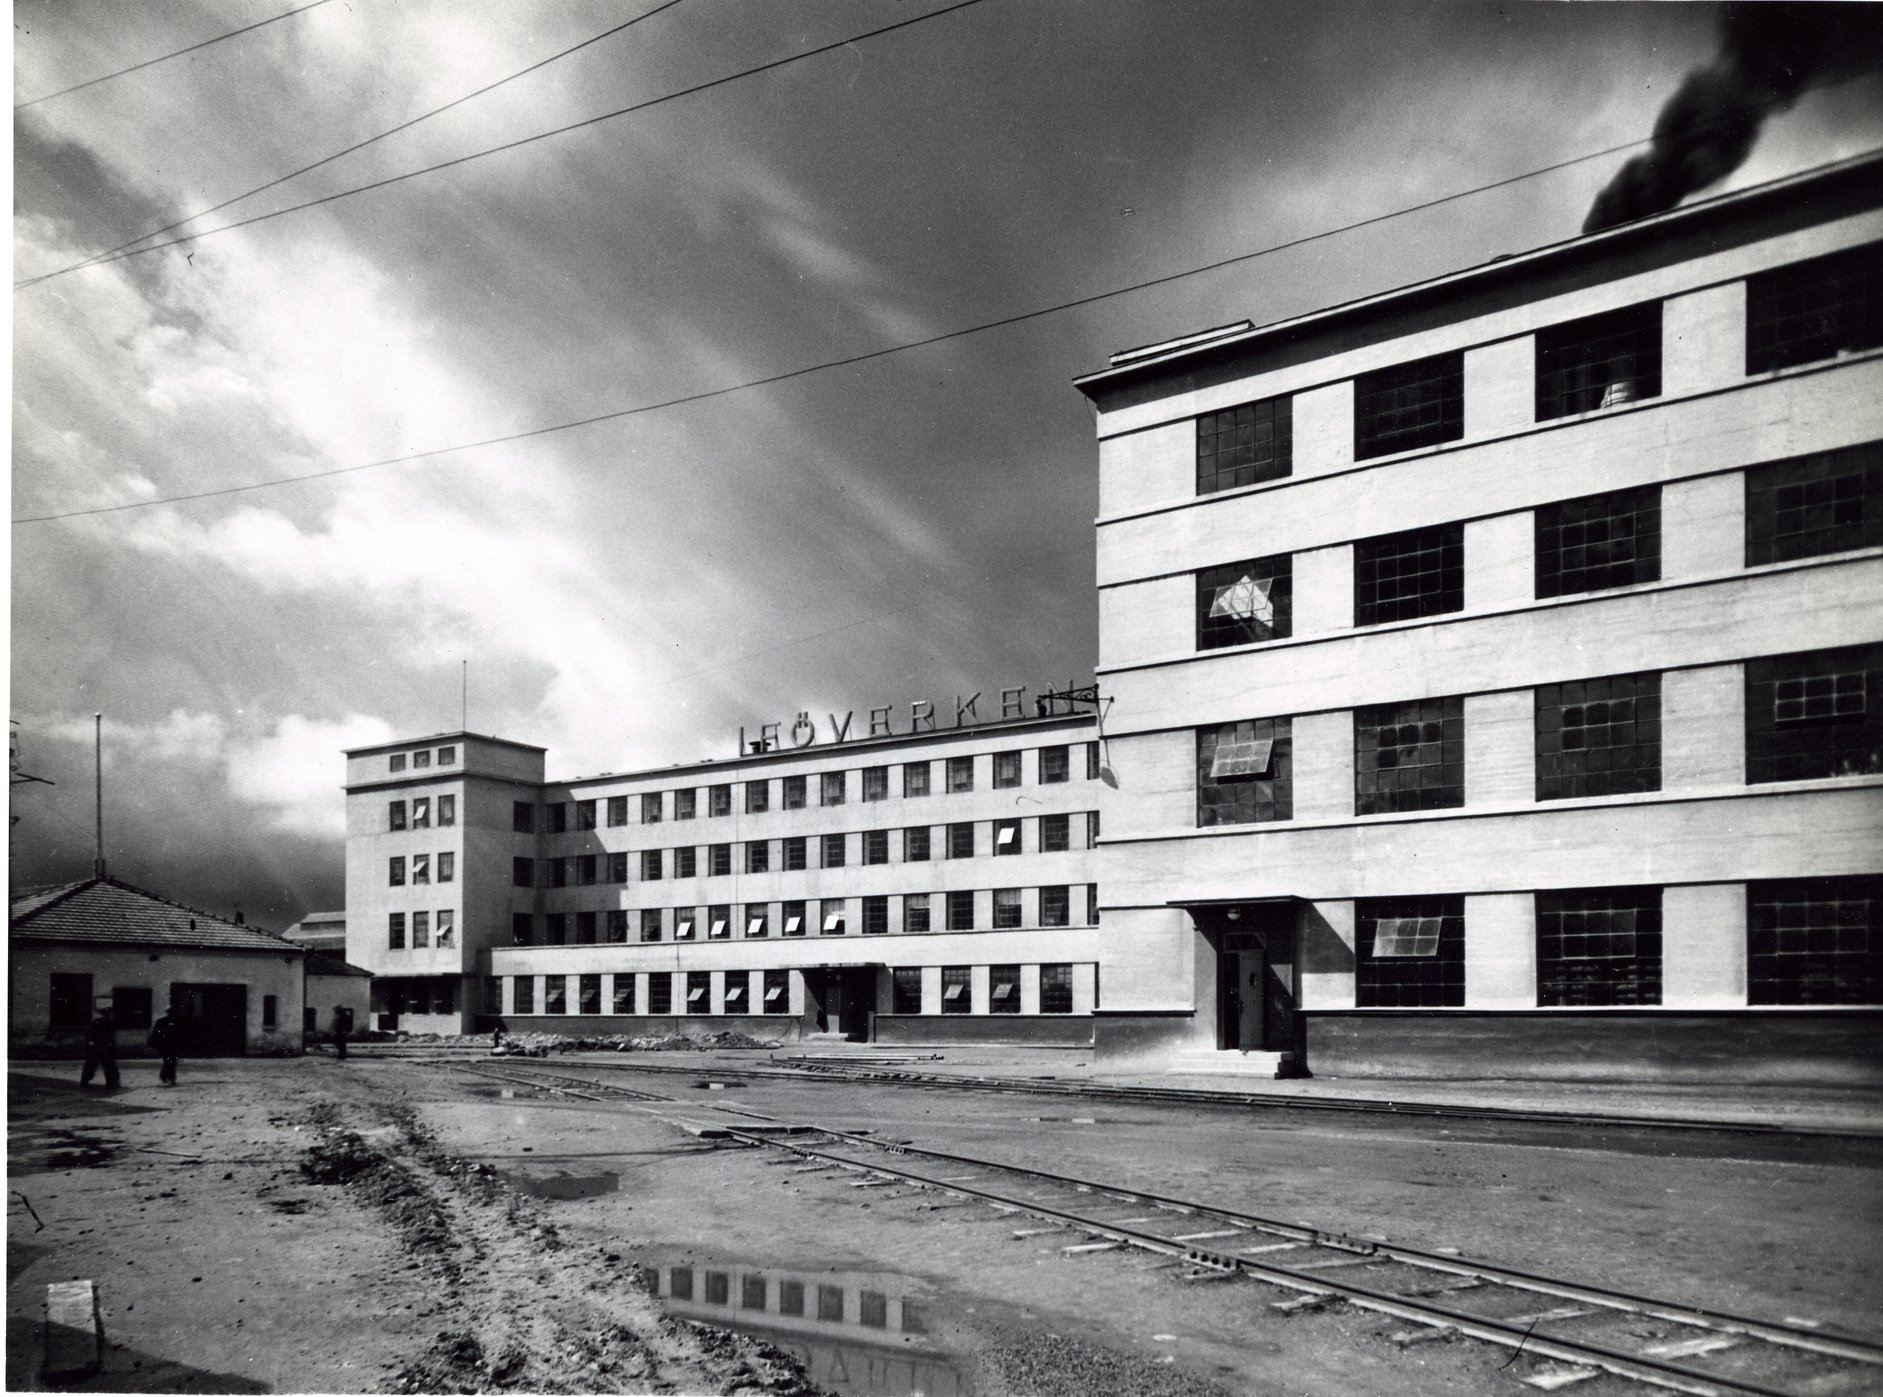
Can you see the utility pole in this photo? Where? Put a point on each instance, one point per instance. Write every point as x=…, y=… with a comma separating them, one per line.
x=98, y=791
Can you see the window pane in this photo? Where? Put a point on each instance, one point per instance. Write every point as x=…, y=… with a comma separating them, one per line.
x=1055, y=989
x=1602, y=361
x=1598, y=737
x=1814, y=505
x=1815, y=941
x=1598, y=946
x=1245, y=772
x=1409, y=406
x=1809, y=716
x=1815, y=310
x=1611, y=540
x=1240, y=603
x=1409, y=756
x=1243, y=445
x=1401, y=577
x=1396, y=970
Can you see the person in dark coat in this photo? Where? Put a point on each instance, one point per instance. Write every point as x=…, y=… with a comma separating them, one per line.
x=497, y=1031
x=165, y=1040
x=101, y=1049
x=342, y=1025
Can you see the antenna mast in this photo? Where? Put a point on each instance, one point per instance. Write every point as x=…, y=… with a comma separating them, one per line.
x=98, y=791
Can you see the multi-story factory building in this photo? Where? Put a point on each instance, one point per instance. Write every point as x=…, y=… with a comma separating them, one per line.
x=1495, y=666
x=927, y=886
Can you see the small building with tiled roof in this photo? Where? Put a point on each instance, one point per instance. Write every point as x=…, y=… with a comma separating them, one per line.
x=99, y=942
x=337, y=992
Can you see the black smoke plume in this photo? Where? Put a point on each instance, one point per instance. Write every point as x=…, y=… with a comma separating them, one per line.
x=1770, y=54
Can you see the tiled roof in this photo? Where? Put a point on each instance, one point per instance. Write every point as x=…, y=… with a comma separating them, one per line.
x=327, y=963
x=105, y=910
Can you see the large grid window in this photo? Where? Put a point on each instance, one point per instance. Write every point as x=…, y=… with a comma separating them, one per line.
x=1006, y=769
x=832, y=848
x=1409, y=756
x=660, y=993
x=907, y=992
x=1055, y=833
x=1401, y=577
x=961, y=840
x=1003, y=989
x=777, y=992
x=1814, y=505
x=1055, y=765
x=1409, y=406
x=758, y=856
x=876, y=916
x=960, y=774
x=875, y=783
x=830, y=788
x=1602, y=361
x=718, y=800
x=1242, y=603
x=686, y=862
x=1598, y=737
x=686, y=804
x=1244, y=772
x=796, y=857
x=1815, y=941
x=957, y=989
x=915, y=779
x=1056, y=906
x=757, y=797
x=915, y=844
x=651, y=865
x=1244, y=445
x=718, y=860
x=1008, y=913
x=961, y=911
x=1811, y=715
x=617, y=811
x=1055, y=989
x=1598, y=946
x=915, y=913
x=1815, y=310
x=523, y=993
x=1410, y=952
x=1611, y=540
x=875, y=846
x=792, y=795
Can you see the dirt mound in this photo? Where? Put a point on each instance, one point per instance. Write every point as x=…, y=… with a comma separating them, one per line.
x=346, y=1158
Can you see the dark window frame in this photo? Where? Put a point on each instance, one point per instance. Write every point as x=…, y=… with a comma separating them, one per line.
x=1814, y=715
x=1812, y=311
x=1438, y=759
x=1225, y=581
x=1598, y=361
x=1809, y=506
x=1815, y=940
x=1598, y=737
x=1243, y=799
x=1405, y=407
x=1413, y=982
x=1596, y=542
x=1245, y=445
x=1409, y=575
x=1598, y=947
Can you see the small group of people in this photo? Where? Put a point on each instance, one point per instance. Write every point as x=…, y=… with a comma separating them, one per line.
x=101, y=1048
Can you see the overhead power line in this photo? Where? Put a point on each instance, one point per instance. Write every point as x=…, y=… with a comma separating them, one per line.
x=166, y=57
x=122, y=253
x=109, y=253
x=848, y=360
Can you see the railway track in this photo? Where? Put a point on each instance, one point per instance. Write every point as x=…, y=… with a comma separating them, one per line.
x=1587, y=1330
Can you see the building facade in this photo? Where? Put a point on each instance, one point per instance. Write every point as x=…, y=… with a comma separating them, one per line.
x=920, y=887
x=1495, y=666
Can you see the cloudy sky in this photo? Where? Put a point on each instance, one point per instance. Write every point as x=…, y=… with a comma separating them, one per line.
x=630, y=592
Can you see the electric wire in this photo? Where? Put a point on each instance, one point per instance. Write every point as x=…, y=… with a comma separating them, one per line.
x=120, y=255
x=166, y=57
x=109, y=254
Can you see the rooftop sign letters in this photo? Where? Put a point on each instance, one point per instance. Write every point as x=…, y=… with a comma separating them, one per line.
x=805, y=731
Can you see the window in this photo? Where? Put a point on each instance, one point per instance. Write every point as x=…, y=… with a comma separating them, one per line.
x=447, y=867
x=1056, y=906
x=1006, y=769
x=906, y=992
x=961, y=911
x=1055, y=989
x=1093, y=767
x=1006, y=837
x=447, y=811
x=875, y=916
x=719, y=922
x=685, y=804
x=617, y=811
x=420, y=759
x=915, y=779
x=875, y=783
x=1409, y=756
x=1003, y=989
x=961, y=840
x=777, y=992
x=1601, y=361
x=792, y=796
x=522, y=873
x=830, y=917
x=757, y=797
x=1055, y=766
x=1401, y=577
x=660, y=993
x=523, y=994
x=738, y=983
x=960, y=774
x=522, y=817
x=1815, y=505
x=1410, y=952
x=872, y=1309
x=758, y=856
x=421, y=812
x=555, y=994
x=395, y=872
x=915, y=848
x=421, y=868
x=617, y=926
x=624, y=994
x=756, y=921
x=830, y=788
x=396, y=762
x=585, y=819
x=718, y=800
x=875, y=846
x=700, y=1000
x=585, y=928
x=1611, y=540
x=447, y=756
x=1815, y=941
x=555, y=928
x=558, y=873
x=1091, y=829
x=1598, y=737
x=493, y=994
x=1241, y=603
x=421, y=930
x=130, y=1006
x=1007, y=913
x=1244, y=772
x=558, y=817
x=1243, y=445
x=395, y=815
x=1598, y=946
x=915, y=912
x=395, y=932
x=589, y=991
x=957, y=989
x=832, y=850
x=651, y=806
x=585, y=870
x=650, y=925
x=1815, y=310
x=650, y=865
x=522, y=928
x=618, y=866
x=795, y=858
x=686, y=862
x=830, y=1303
x=1409, y=406
x=793, y=923
x=1810, y=715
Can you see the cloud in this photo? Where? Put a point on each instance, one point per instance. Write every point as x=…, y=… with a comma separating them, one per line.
x=180, y=736
x=295, y=773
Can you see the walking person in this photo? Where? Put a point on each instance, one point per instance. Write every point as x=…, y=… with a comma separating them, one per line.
x=342, y=1025
x=165, y=1039
x=497, y=1031
x=101, y=1049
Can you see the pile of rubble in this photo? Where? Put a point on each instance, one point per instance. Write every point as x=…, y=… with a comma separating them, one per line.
x=544, y=1044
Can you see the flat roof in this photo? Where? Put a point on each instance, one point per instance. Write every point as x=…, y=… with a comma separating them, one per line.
x=444, y=737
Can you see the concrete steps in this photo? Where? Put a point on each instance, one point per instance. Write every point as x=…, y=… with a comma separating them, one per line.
x=1230, y=1062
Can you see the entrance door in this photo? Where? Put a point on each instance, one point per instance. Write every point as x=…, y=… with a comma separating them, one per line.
x=1240, y=972
x=852, y=1018
x=1255, y=976
x=214, y=1018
